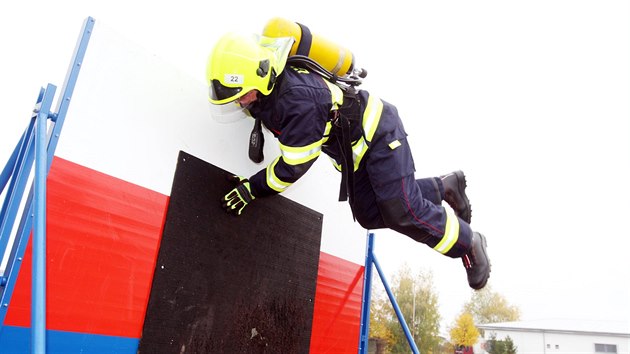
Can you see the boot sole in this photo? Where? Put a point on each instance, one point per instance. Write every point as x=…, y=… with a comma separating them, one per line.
x=483, y=283
x=466, y=213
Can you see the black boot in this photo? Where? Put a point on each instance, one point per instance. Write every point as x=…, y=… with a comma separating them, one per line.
x=477, y=263
x=455, y=194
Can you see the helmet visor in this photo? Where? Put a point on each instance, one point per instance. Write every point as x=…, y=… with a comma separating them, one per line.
x=220, y=92
x=228, y=113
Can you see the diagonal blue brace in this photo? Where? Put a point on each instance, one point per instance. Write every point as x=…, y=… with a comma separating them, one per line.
x=364, y=333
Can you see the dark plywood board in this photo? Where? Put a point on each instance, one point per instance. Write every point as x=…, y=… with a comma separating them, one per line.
x=227, y=284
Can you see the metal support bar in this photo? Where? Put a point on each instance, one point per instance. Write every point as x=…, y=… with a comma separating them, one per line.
x=8, y=168
x=18, y=170
x=16, y=256
x=21, y=170
x=38, y=297
x=63, y=103
x=364, y=334
x=401, y=318
x=370, y=259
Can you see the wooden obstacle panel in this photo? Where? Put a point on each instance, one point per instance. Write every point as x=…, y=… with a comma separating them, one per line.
x=228, y=284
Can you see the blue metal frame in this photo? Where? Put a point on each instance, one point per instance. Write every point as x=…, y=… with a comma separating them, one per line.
x=22, y=156
x=38, y=287
x=17, y=170
x=370, y=259
x=8, y=170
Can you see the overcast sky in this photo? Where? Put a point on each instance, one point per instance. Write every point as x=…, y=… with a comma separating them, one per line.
x=530, y=98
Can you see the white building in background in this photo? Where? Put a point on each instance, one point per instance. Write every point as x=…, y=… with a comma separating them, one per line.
x=563, y=336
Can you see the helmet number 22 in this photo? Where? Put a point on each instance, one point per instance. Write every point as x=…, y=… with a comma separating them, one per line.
x=234, y=78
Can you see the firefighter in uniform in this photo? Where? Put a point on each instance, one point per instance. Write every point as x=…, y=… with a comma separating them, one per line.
x=362, y=134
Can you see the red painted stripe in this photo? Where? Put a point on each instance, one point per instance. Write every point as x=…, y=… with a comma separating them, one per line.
x=337, y=313
x=103, y=237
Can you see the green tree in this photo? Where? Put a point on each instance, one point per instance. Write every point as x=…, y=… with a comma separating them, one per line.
x=464, y=332
x=380, y=316
x=505, y=346
x=487, y=306
x=495, y=346
x=510, y=348
x=418, y=303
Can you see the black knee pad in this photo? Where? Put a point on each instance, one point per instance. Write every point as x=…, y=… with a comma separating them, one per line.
x=397, y=218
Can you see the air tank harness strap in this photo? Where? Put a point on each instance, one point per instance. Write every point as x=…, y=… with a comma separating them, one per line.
x=304, y=47
x=341, y=129
x=344, y=121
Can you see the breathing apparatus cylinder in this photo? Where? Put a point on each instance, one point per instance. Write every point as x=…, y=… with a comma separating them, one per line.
x=334, y=58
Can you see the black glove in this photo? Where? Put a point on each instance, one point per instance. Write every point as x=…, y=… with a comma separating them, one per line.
x=237, y=199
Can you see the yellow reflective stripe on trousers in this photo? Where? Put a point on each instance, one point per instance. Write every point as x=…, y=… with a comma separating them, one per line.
x=451, y=234
x=300, y=155
x=272, y=180
x=372, y=116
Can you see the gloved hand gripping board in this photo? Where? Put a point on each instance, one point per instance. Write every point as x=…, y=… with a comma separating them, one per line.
x=226, y=284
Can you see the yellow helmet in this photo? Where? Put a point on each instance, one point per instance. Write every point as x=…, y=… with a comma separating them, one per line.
x=242, y=63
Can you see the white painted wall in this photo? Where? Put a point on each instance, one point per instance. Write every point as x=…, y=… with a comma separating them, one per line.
x=132, y=113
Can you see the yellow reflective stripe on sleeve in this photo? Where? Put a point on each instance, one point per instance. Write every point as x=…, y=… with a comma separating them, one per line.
x=372, y=116
x=450, y=235
x=272, y=180
x=336, y=93
x=300, y=155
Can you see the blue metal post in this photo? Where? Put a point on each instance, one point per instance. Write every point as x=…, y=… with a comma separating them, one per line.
x=38, y=298
x=364, y=334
